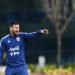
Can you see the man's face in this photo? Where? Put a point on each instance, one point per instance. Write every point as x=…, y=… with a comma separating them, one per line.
x=14, y=30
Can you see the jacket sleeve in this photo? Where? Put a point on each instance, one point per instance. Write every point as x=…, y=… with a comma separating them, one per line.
x=31, y=35
x=2, y=48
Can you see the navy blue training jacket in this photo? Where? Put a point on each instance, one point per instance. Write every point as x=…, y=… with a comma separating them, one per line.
x=15, y=47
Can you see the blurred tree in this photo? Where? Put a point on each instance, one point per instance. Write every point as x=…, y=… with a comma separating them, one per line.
x=60, y=14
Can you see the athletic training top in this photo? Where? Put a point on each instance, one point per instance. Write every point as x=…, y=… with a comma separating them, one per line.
x=15, y=47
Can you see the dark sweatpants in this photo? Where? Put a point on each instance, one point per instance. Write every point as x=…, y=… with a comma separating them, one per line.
x=20, y=70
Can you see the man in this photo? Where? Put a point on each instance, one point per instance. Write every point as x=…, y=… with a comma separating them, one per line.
x=13, y=44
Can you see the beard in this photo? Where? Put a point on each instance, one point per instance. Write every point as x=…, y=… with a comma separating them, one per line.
x=15, y=33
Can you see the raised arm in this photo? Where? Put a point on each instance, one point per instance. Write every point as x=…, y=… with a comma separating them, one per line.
x=35, y=34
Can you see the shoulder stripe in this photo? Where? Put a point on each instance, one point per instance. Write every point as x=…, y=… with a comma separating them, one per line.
x=5, y=37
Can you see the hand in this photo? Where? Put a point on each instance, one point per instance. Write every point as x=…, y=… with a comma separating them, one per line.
x=45, y=31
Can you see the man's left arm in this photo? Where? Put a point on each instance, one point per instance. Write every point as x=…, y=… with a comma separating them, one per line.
x=35, y=34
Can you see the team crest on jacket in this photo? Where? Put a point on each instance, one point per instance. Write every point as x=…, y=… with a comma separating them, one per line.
x=9, y=41
x=18, y=38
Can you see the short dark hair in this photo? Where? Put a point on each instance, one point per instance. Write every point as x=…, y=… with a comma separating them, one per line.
x=12, y=23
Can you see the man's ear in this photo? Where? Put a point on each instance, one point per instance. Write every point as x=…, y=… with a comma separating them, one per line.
x=10, y=28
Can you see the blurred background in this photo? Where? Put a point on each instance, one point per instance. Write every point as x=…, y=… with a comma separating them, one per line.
x=58, y=16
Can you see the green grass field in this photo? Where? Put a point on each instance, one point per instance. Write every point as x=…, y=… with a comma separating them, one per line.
x=52, y=70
